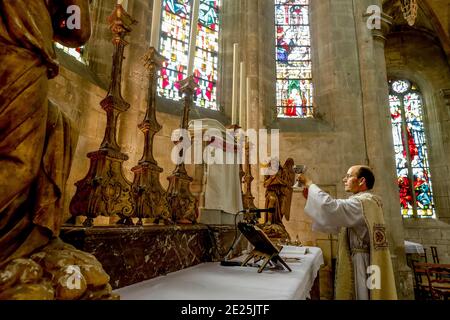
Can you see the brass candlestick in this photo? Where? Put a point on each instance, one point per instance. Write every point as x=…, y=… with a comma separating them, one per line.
x=150, y=197
x=105, y=191
x=248, y=198
x=182, y=203
x=238, y=142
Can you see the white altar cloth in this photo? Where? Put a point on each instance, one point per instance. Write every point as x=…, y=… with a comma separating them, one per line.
x=412, y=247
x=211, y=281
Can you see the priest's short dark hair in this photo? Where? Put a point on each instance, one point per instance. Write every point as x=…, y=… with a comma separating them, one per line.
x=367, y=174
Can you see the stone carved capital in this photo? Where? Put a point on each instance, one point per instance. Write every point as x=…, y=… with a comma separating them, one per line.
x=386, y=25
x=445, y=93
x=380, y=32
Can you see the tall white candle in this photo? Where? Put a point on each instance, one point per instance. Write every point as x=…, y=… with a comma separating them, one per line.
x=156, y=24
x=249, y=104
x=235, y=92
x=193, y=37
x=242, y=96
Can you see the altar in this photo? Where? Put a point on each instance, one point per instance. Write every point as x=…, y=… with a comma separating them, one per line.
x=211, y=281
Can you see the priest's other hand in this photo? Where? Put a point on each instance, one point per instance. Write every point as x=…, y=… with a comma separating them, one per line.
x=304, y=180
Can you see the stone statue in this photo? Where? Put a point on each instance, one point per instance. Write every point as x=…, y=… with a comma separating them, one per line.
x=279, y=189
x=36, y=147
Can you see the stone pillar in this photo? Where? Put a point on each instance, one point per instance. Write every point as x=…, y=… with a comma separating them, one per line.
x=378, y=136
x=135, y=87
x=99, y=42
x=443, y=203
x=230, y=34
x=337, y=84
x=252, y=25
x=259, y=56
x=252, y=58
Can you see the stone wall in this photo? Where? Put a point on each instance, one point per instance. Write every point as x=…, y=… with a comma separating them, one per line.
x=79, y=99
x=430, y=233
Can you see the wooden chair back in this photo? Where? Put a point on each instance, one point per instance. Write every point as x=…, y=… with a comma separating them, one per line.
x=421, y=284
x=434, y=254
x=439, y=280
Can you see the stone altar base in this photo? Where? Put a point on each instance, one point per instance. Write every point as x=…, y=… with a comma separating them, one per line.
x=134, y=254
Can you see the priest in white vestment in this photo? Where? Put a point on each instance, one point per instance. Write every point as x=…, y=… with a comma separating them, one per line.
x=362, y=241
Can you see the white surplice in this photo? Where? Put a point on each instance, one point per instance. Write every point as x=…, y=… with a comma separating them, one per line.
x=329, y=216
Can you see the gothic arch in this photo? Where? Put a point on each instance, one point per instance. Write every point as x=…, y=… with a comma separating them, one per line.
x=427, y=19
x=417, y=57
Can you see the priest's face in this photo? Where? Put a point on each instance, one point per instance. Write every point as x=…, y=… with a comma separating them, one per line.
x=351, y=181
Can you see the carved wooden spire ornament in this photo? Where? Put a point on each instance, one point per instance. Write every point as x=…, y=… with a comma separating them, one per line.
x=105, y=191
x=149, y=196
x=183, y=205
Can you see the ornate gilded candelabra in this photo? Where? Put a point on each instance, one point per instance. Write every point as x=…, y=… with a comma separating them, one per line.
x=105, y=191
x=248, y=198
x=150, y=197
x=182, y=203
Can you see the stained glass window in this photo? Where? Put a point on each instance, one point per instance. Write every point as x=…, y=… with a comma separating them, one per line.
x=174, y=45
x=411, y=150
x=77, y=53
x=294, y=88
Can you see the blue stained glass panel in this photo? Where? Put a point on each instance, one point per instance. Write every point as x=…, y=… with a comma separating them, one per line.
x=181, y=8
x=208, y=16
x=212, y=3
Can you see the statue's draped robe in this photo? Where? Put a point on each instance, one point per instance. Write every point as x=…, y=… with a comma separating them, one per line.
x=288, y=176
x=35, y=144
x=279, y=193
x=273, y=185
x=358, y=220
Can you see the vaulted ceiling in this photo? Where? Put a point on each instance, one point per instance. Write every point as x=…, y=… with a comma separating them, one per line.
x=433, y=17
